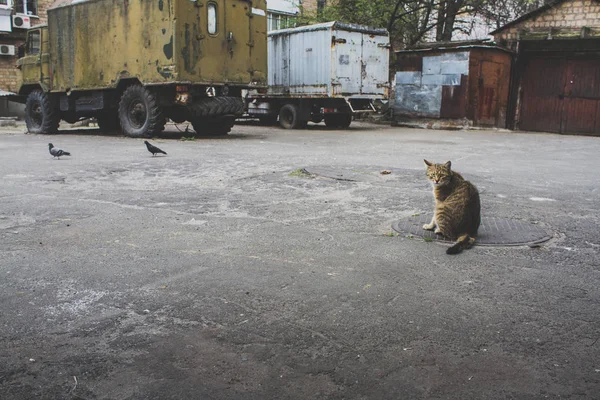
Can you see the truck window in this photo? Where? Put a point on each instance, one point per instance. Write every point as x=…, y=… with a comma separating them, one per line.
x=33, y=42
x=212, y=18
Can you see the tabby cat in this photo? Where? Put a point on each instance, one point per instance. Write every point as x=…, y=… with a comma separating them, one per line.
x=457, y=212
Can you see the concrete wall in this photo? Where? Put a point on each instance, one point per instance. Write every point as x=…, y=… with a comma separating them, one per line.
x=419, y=93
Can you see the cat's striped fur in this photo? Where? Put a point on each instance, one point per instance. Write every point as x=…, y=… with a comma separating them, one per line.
x=457, y=212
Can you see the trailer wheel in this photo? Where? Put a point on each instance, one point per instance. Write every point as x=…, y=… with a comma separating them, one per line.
x=213, y=126
x=289, y=118
x=41, y=113
x=108, y=121
x=139, y=112
x=338, y=120
x=268, y=120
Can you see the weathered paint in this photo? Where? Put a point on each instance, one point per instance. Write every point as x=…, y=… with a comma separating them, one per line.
x=420, y=93
x=95, y=43
x=329, y=59
x=464, y=83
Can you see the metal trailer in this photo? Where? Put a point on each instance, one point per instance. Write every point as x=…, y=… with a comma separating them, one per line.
x=328, y=71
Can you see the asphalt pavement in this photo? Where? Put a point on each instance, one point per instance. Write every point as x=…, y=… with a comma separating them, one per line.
x=263, y=265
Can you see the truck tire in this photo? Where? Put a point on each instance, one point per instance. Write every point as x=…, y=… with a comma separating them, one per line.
x=213, y=126
x=268, y=120
x=139, y=112
x=108, y=121
x=289, y=117
x=41, y=113
x=215, y=107
x=338, y=120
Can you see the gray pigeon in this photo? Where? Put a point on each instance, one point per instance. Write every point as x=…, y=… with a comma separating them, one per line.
x=56, y=152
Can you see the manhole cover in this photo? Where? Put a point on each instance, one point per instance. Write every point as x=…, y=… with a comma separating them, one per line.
x=492, y=231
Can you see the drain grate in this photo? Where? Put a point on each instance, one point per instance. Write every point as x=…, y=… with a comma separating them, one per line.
x=492, y=231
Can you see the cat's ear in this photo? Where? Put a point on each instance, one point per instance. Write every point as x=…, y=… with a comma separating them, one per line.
x=428, y=163
x=448, y=164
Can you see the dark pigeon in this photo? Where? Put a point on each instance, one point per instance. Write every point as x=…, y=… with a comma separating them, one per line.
x=153, y=149
x=56, y=152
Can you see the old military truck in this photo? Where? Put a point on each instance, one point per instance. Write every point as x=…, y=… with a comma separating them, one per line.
x=133, y=64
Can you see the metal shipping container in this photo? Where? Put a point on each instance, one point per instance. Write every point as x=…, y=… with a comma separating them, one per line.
x=330, y=59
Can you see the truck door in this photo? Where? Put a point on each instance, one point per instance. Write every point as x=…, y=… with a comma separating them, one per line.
x=31, y=63
x=35, y=65
x=347, y=61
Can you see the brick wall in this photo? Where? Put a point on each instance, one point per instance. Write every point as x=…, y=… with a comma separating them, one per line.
x=570, y=15
x=309, y=7
x=42, y=14
x=8, y=73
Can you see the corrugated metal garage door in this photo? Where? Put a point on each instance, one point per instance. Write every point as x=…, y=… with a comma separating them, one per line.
x=561, y=95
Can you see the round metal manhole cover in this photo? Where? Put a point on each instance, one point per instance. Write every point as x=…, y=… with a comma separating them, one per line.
x=492, y=231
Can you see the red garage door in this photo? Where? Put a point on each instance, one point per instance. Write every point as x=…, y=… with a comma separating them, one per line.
x=561, y=95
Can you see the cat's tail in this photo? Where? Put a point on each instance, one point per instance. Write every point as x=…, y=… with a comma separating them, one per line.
x=463, y=242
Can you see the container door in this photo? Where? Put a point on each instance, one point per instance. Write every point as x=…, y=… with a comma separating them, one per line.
x=375, y=64
x=242, y=19
x=346, y=62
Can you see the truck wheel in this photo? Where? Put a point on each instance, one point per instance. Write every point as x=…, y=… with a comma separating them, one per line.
x=108, y=121
x=41, y=113
x=345, y=120
x=289, y=118
x=213, y=126
x=215, y=107
x=338, y=120
x=268, y=120
x=139, y=112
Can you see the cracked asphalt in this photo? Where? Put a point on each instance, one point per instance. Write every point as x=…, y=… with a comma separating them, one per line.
x=225, y=271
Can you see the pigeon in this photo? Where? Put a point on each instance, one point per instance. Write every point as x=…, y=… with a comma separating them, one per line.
x=153, y=149
x=56, y=152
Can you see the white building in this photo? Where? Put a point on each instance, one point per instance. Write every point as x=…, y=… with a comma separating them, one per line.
x=282, y=13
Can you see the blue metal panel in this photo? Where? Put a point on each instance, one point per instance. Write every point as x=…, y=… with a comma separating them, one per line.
x=408, y=78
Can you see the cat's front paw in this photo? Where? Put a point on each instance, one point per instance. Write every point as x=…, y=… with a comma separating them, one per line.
x=428, y=227
x=437, y=231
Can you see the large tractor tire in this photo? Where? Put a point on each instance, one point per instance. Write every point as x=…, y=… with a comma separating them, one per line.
x=215, y=107
x=42, y=114
x=139, y=113
x=213, y=126
x=289, y=117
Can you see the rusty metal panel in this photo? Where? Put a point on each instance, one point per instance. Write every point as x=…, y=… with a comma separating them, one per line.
x=561, y=95
x=543, y=86
x=454, y=99
x=582, y=97
x=489, y=79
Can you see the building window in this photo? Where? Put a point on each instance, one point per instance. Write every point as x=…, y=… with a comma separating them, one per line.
x=27, y=7
x=280, y=21
x=5, y=3
x=212, y=18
